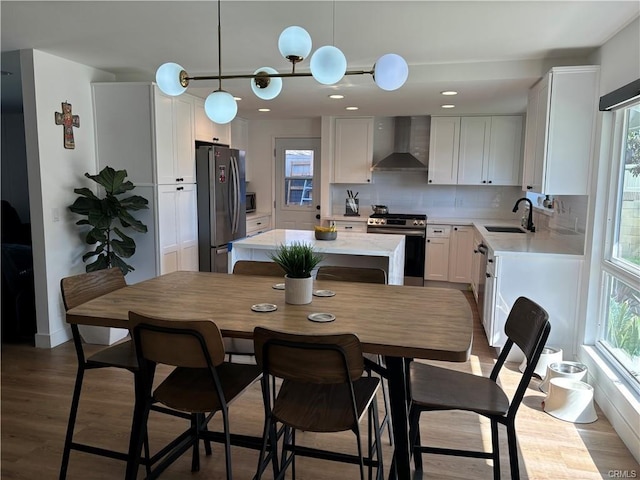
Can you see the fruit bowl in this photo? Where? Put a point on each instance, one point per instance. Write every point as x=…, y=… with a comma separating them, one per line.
x=326, y=235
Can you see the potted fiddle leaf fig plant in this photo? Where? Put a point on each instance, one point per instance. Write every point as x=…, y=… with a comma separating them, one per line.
x=109, y=217
x=298, y=261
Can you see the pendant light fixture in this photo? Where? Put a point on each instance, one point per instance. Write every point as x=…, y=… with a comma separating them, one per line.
x=328, y=66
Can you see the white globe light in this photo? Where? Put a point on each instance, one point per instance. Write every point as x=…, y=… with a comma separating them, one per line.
x=221, y=107
x=294, y=41
x=272, y=90
x=168, y=79
x=328, y=65
x=390, y=72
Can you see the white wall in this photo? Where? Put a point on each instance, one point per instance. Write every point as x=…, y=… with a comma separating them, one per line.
x=54, y=172
x=262, y=135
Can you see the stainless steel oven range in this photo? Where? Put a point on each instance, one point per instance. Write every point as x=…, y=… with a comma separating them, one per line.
x=414, y=227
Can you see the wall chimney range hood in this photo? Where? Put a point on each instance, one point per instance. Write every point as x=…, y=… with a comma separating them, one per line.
x=400, y=160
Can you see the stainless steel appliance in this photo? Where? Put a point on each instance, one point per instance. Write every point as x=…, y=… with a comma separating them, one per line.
x=220, y=178
x=250, y=199
x=414, y=227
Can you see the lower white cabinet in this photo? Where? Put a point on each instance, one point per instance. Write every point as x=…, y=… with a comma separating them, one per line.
x=258, y=224
x=448, y=253
x=177, y=228
x=347, y=226
x=437, y=253
x=460, y=254
x=476, y=261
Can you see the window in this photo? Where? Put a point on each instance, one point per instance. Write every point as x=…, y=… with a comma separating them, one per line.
x=619, y=330
x=298, y=177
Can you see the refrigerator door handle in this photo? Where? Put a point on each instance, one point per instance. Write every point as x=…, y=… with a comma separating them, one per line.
x=236, y=196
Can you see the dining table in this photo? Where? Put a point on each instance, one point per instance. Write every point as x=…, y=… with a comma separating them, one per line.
x=401, y=323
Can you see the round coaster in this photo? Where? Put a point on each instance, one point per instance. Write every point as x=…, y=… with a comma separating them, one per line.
x=264, y=307
x=324, y=293
x=321, y=317
x=278, y=286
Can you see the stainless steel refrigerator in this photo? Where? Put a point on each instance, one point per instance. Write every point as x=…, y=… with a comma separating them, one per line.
x=220, y=178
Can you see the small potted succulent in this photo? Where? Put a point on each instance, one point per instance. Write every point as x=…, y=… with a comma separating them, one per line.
x=298, y=260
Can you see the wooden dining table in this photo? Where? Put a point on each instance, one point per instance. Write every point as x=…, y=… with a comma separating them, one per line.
x=399, y=322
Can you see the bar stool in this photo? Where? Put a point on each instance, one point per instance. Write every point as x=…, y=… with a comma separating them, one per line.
x=572, y=370
x=570, y=400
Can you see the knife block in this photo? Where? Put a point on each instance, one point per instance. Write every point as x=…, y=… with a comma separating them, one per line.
x=352, y=207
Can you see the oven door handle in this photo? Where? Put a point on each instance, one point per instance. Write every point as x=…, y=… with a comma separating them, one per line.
x=397, y=231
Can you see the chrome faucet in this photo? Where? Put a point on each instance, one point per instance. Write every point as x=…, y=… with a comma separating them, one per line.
x=530, y=225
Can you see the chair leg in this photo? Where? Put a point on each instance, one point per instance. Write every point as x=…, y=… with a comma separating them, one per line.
x=414, y=437
x=72, y=422
x=513, y=450
x=378, y=440
x=495, y=444
x=195, y=457
x=227, y=442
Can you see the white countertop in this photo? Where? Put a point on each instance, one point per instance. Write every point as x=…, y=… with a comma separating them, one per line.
x=347, y=243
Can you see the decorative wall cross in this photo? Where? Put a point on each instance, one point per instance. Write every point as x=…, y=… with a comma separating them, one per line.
x=68, y=121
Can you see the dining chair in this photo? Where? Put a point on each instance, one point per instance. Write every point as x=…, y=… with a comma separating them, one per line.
x=200, y=385
x=372, y=362
x=323, y=390
x=242, y=346
x=437, y=389
x=77, y=290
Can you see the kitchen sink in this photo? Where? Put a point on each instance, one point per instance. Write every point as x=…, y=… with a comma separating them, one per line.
x=494, y=228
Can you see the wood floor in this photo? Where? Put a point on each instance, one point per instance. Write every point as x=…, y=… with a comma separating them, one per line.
x=36, y=393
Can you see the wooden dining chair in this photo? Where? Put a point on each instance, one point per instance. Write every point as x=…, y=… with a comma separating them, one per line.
x=323, y=390
x=373, y=362
x=437, y=389
x=200, y=385
x=77, y=290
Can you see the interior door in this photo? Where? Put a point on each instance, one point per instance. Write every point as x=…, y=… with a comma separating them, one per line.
x=297, y=172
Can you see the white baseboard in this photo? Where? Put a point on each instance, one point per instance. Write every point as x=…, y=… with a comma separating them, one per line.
x=620, y=405
x=50, y=340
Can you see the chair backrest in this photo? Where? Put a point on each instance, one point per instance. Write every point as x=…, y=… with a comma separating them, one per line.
x=352, y=274
x=527, y=327
x=81, y=288
x=180, y=343
x=252, y=267
x=323, y=359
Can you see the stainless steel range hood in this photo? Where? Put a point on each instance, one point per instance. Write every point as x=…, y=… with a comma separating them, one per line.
x=401, y=159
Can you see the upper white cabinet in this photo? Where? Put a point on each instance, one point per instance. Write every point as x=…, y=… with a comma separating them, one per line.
x=353, y=153
x=475, y=150
x=208, y=131
x=561, y=113
x=444, y=145
x=240, y=140
x=174, y=124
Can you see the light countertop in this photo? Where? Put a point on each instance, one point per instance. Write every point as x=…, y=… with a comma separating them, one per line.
x=347, y=243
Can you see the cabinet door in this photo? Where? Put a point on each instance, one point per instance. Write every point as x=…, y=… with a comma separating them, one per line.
x=475, y=263
x=221, y=133
x=203, y=126
x=474, y=150
x=529, y=164
x=444, y=145
x=541, y=133
x=168, y=235
x=505, y=151
x=240, y=140
x=187, y=212
x=353, y=152
x=184, y=139
x=164, y=139
x=437, y=259
x=460, y=254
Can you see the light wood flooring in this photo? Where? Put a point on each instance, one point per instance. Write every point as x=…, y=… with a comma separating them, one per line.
x=36, y=393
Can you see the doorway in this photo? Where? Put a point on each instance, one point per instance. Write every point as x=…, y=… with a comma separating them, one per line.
x=297, y=202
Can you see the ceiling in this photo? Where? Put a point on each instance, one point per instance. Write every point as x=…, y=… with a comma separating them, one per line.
x=490, y=52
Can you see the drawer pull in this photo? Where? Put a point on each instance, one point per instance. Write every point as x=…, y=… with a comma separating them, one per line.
x=348, y=228
x=438, y=231
x=258, y=223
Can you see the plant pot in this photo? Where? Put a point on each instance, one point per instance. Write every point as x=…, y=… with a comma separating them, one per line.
x=298, y=291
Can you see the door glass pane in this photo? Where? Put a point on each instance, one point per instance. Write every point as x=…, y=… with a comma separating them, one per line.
x=621, y=335
x=627, y=245
x=298, y=177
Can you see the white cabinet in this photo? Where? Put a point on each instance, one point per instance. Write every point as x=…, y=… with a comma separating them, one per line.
x=347, y=226
x=475, y=150
x=208, y=131
x=444, y=143
x=353, y=152
x=460, y=254
x=178, y=228
x=240, y=140
x=258, y=224
x=561, y=112
x=174, y=131
x=476, y=260
x=437, y=253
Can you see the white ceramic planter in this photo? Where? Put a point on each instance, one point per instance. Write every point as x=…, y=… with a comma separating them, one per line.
x=298, y=291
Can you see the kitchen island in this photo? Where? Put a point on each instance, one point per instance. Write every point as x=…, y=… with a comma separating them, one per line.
x=348, y=249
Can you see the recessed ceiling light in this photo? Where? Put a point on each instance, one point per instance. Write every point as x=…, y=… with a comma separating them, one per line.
x=336, y=96
x=449, y=92
x=351, y=108
x=448, y=106
x=237, y=99
x=264, y=109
